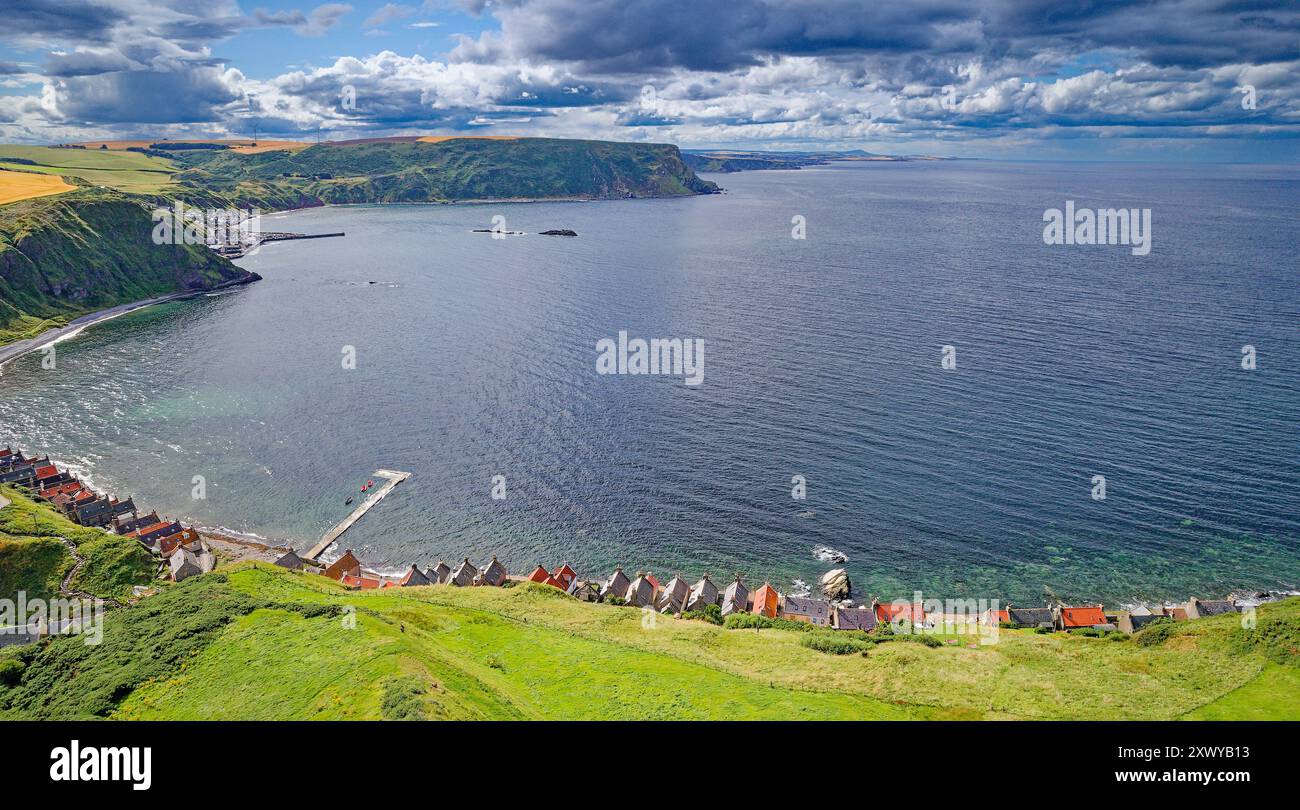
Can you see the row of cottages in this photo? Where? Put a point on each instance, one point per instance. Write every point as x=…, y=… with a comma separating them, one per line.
x=678, y=596
x=1059, y=617
x=183, y=553
x=1193, y=608
x=347, y=569
x=1067, y=618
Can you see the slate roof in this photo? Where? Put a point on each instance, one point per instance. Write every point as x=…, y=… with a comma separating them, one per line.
x=1140, y=620
x=703, y=594
x=413, y=576
x=617, y=584
x=1030, y=617
x=735, y=599
x=855, y=618
x=495, y=573
x=673, y=596
x=1214, y=607
x=818, y=610
x=640, y=593
x=291, y=560
x=464, y=574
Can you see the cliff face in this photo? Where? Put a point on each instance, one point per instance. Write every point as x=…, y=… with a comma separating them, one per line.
x=460, y=169
x=82, y=251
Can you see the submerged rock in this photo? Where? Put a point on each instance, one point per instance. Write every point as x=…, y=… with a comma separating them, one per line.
x=828, y=554
x=835, y=584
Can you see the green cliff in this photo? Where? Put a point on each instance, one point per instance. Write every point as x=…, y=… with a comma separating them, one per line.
x=69, y=254
x=398, y=171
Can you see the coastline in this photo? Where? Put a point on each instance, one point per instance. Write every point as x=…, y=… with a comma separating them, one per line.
x=71, y=329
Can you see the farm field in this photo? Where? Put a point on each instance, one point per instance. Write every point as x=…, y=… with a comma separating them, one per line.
x=123, y=171
x=17, y=185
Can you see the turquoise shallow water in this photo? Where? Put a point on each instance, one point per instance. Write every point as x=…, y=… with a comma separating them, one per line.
x=476, y=357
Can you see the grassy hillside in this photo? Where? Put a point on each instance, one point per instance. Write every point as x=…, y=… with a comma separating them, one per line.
x=259, y=642
x=78, y=252
x=32, y=559
x=448, y=170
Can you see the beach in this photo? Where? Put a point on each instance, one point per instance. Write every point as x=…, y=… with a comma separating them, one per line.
x=74, y=327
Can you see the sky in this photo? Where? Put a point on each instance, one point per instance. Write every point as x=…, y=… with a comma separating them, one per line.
x=1157, y=80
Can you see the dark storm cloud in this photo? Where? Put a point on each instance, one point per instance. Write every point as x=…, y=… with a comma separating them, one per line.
x=85, y=64
x=151, y=97
x=622, y=36
x=69, y=20
x=619, y=36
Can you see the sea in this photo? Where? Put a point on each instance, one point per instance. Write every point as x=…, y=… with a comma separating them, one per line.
x=892, y=368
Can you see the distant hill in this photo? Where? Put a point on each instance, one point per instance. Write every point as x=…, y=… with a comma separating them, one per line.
x=79, y=251
x=413, y=170
x=731, y=160
x=85, y=250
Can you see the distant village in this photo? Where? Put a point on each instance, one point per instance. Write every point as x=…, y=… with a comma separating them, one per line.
x=182, y=553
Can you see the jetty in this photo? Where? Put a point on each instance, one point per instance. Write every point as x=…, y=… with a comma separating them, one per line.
x=236, y=250
x=394, y=477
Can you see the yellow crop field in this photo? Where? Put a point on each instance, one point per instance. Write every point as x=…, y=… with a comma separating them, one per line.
x=15, y=186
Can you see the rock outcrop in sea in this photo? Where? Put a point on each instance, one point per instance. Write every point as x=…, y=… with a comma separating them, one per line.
x=835, y=584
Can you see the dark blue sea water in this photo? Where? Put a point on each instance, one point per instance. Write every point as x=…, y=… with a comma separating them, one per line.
x=476, y=357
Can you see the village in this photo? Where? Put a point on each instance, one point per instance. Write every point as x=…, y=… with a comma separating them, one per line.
x=678, y=597
x=182, y=552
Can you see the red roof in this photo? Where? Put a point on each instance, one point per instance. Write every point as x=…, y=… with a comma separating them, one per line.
x=886, y=612
x=60, y=489
x=565, y=574
x=555, y=583
x=765, y=601
x=145, y=530
x=1082, y=616
x=654, y=583
x=167, y=544
x=539, y=575
x=363, y=582
x=345, y=565
x=47, y=471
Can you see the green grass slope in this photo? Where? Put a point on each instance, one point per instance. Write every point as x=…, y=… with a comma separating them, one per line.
x=458, y=169
x=258, y=642
x=64, y=256
x=34, y=561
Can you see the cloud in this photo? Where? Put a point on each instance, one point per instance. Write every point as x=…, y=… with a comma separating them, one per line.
x=322, y=18
x=941, y=75
x=390, y=12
